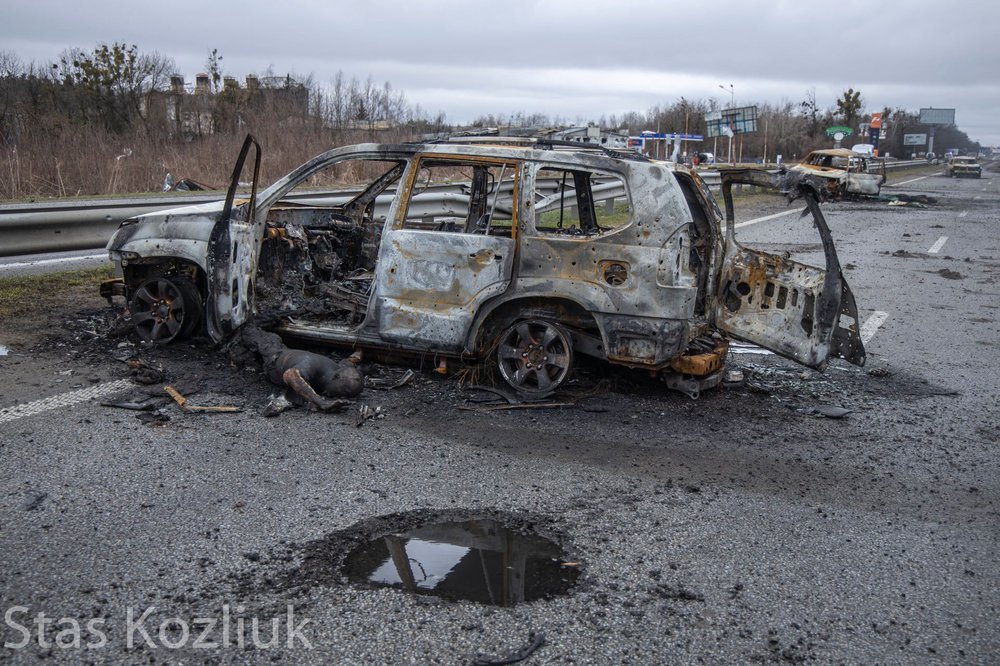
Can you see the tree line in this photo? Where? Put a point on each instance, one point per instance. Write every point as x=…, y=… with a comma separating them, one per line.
x=85, y=122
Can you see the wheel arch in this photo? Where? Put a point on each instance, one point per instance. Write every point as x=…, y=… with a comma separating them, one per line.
x=491, y=320
x=137, y=271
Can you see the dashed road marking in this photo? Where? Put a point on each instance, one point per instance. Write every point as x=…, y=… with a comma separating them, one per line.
x=938, y=244
x=69, y=399
x=963, y=213
x=871, y=325
x=766, y=218
x=906, y=182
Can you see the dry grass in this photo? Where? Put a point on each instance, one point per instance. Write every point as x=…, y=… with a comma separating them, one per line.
x=65, y=161
x=24, y=297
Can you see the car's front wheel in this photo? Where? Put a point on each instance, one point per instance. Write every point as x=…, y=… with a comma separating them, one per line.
x=535, y=356
x=165, y=308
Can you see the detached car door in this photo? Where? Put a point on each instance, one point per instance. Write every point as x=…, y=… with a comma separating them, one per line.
x=450, y=249
x=802, y=312
x=233, y=248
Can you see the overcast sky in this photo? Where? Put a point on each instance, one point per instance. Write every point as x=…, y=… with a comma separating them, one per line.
x=575, y=59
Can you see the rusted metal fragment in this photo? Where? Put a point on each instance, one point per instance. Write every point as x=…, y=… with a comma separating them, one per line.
x=112, y=287
x=692, y=386
x=704, y=363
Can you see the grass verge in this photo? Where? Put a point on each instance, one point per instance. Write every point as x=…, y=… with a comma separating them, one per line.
x=30, y=294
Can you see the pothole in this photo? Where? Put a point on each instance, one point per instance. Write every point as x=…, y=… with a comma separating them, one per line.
x=485, y=560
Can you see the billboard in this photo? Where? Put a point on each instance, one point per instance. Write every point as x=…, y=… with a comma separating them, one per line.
x=934, y=116
x=914, y=139
x=741, y=120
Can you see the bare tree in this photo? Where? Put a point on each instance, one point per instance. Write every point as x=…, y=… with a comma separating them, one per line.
x=113, y=79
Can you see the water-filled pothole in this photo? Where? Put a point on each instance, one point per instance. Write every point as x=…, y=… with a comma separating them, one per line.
x=477, y=560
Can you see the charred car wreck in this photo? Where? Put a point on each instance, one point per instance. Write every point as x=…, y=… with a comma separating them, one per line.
x=519, y=252
x=843, y=173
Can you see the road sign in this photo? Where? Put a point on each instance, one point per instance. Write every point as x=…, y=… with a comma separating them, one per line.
x=934, y=116
x=741, y=120
x=914, y=139
x=832, y=132
x=648, y=134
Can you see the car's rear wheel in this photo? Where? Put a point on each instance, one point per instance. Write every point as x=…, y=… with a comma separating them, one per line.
x=535, y=356
x=165, y=309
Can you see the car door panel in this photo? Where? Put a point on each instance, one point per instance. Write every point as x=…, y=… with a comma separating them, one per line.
x=430, y=284
x=233, y=247
x=802, y=312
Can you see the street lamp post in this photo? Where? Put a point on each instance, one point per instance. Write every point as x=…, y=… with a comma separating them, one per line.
x=732, y=105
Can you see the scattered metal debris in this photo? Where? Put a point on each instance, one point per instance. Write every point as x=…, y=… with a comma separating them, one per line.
x=384, y=384
x=276, y=404
x=185, y=406
x=137, y=402
x=521, y=405
x=510, y=397
x=156, y=418
x=909, y=200
x=365, y=412
x=829, y=411
x=535, y=641
x=145, y=372
x=733, y=377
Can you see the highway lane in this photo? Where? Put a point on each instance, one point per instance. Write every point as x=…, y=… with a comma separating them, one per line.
x=732, y=529
x=53, y=262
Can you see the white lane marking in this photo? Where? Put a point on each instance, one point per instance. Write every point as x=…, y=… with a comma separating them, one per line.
x=906, y=182
x=738, y=347
x=69, y=399
x=871, y=325
x=938, y=244
x=46, y=262
x=963, y=213
x=766, y=218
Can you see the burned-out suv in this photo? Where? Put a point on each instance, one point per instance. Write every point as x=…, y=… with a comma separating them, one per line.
x=963, y=166
x=522, y=253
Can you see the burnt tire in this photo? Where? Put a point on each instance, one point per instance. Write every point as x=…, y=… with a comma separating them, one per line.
x=534, y=357
x=165, y=309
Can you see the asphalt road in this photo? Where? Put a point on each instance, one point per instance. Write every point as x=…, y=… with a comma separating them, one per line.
x=52, y=262
x=732, y=529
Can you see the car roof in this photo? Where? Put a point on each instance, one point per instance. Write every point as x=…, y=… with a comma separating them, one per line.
x=837, y=152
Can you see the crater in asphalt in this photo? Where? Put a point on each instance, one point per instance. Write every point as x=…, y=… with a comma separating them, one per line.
x=481, y=560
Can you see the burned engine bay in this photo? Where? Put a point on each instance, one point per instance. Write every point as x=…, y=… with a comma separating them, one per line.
x=316, y=265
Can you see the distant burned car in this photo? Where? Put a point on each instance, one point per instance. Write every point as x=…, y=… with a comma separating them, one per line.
x=844, y=172
x=521, y=253
x=963, y=166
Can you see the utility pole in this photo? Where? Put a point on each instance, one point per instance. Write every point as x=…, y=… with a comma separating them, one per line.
x=732, y=105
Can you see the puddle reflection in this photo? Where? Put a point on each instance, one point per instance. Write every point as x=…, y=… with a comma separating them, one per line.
x=476, y=560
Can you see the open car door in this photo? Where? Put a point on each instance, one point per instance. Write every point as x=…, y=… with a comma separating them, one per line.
x=802, y=312
x=233, y=248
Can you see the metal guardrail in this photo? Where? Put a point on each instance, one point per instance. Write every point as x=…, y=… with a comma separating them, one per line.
x=87, y=225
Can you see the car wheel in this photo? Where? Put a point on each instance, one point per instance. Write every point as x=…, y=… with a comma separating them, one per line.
x=165, y=309
x=535, y=356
